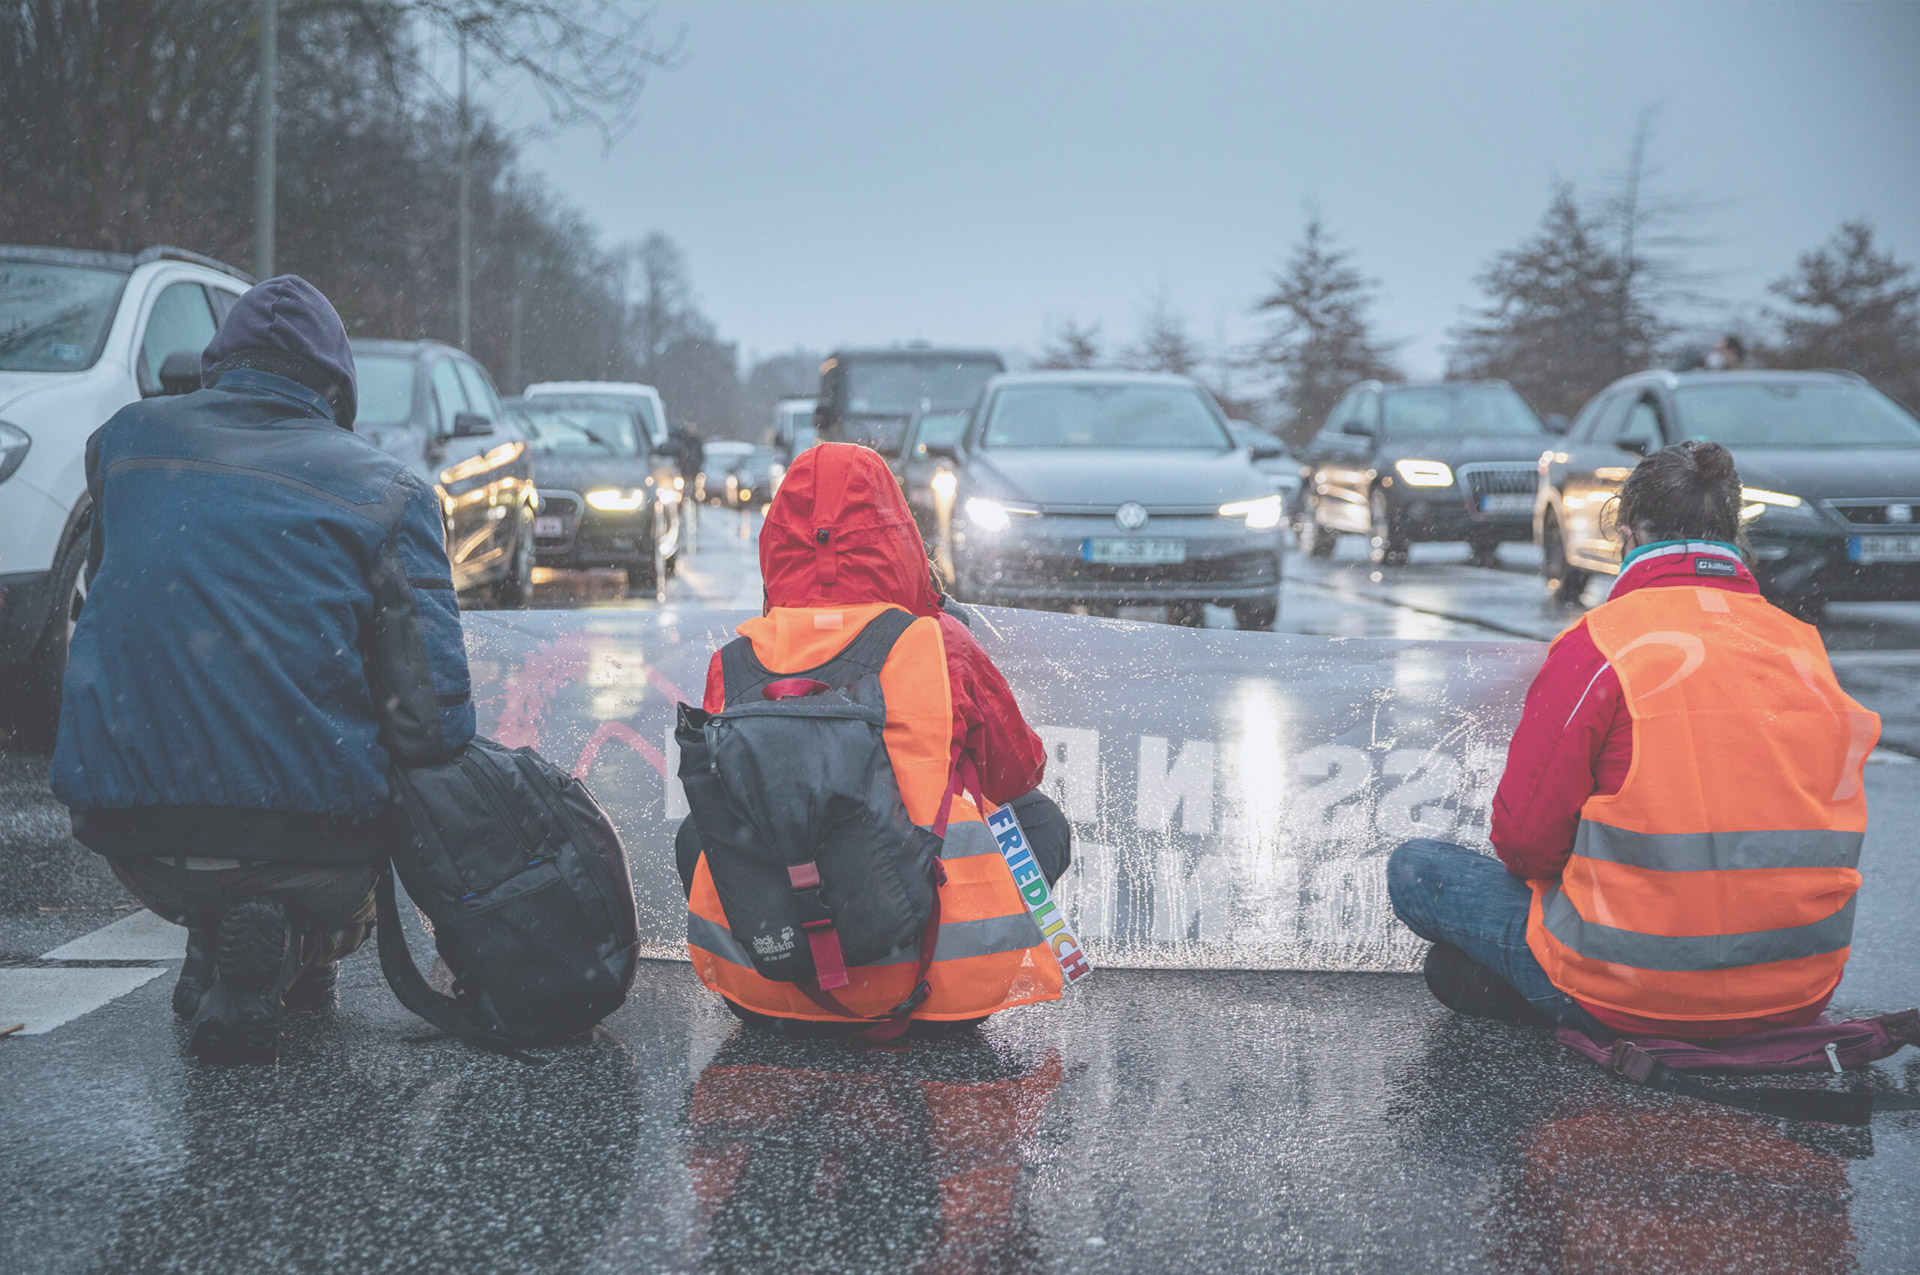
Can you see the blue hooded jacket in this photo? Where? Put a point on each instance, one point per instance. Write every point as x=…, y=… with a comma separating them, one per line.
x=271, y=615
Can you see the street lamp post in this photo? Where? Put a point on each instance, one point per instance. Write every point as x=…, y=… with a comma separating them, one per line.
x=263, y=139
x=466, y=212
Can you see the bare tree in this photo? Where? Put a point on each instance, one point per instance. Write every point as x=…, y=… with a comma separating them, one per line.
x=1071, y=347
x=1320, y=338
x=1656, y=238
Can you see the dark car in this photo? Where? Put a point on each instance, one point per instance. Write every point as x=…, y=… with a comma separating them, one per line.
x=868, y=396
x=435, y=408
x=1436, y=460
x=608, y=496
x=1831, y=468
x=1111, y=489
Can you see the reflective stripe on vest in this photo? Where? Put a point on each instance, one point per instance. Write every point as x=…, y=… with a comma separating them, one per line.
x=1718, y=882
x=989, y=955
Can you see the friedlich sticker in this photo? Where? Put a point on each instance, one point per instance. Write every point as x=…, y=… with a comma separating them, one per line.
x=1033, y=888
x=1714, y=567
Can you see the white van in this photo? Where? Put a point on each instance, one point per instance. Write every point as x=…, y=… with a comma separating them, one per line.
x=82, y=334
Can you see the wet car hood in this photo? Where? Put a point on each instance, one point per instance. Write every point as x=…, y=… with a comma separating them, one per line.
x=1832, y=473
x=1462, y=449
x=1086, y=476
x=575, y=471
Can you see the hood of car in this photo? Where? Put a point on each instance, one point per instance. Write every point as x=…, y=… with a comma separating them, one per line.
x=1463, y=449
x=15, y=386
x=1832, y=473
x=1155, y=477
x=576, y=472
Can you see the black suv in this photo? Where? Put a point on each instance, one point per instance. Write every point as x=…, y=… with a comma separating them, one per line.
x=869, y=396
x=1831, y=468
x=435, y=408
x=1434, y=460
x=608, y=496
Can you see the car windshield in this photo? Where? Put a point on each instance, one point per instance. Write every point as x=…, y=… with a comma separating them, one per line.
x=597, y=430
x=1107, y=416
x=1808, y=413
x=894, y=387
x=1457, y=409
x=55, y=318
x=385, y=384
x=939, y=429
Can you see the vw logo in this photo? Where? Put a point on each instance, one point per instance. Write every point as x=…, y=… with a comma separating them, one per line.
x=1899, y=513
x=1131, y=516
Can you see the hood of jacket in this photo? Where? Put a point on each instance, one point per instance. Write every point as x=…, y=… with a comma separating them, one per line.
x=288, y=315
x=839, y=533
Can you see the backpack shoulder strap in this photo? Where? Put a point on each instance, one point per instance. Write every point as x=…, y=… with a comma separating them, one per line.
x=741, y=672
x=410, y=987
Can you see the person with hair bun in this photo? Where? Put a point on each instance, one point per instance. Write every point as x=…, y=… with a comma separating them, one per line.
x=1680, y=819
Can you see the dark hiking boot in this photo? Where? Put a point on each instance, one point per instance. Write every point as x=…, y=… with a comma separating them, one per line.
x=1465, y=986
x=314, y=989
x=256, y=957
x=196, y=972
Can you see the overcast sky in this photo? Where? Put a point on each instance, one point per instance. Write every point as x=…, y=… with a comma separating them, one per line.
x=972, y=172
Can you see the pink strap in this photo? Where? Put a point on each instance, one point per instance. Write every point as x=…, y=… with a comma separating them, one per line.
x=829, y=962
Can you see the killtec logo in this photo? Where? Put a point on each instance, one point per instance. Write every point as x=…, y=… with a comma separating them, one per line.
x=1039, y=900
x=767, y=945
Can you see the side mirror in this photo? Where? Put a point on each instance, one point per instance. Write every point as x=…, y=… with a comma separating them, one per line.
x=1556, y=423
x=470, y=425
x=180, y=372
x=1266, y=451
x=942, y=451
x=1357, y=428
x=1638, y=446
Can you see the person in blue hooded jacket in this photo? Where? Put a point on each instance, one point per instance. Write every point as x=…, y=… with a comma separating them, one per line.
x=271, y=620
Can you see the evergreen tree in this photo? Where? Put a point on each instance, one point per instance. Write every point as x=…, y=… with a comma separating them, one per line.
x=1551, y=324
x=1164, y=345
x=1071, y=347
x=1320, y=339
x=1852, y=306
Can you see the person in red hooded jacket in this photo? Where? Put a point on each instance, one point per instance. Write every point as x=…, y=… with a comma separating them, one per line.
x=854, y=490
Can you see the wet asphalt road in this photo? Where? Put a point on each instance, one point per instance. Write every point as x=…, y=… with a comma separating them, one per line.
x=1154, y=1120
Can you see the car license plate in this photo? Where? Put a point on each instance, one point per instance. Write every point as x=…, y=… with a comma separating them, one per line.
x=549, y=525
x=1133, y=552
x=1506, y=503
x=1869, y=549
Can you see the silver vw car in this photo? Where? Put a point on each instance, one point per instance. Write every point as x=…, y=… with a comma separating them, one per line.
x=1109, y=489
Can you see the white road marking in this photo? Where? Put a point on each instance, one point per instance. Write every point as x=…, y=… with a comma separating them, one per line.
x=44, y=999
x=140, y=936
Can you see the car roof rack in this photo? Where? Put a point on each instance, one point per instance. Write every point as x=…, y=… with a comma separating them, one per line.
x=167, y=252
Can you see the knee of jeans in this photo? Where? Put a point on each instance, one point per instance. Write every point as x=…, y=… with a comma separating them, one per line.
x=1404, y=865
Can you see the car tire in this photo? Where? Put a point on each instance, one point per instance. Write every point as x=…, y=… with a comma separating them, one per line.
x=1388, y=543
x=515, y=591
x=647, y=575
x=1320, y=541
x=1483, y=550
x=1564, y=581
x=35, y=718
x=1188, y=615
x=1257, y=616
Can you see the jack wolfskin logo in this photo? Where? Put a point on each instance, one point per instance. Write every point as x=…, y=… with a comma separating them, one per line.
x=1714, y=567
x=767, y=945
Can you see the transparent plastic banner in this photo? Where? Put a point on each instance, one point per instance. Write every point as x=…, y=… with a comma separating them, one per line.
x=1233, y=795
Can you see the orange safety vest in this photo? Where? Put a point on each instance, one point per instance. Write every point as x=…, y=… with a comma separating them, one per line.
x=989, y=955
x=1718, y=883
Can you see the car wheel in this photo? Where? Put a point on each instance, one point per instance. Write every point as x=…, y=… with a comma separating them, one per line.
x=1565, y=582
x=1257, y=616
x=35, y=718
x=647, y=575
x=1189, y=615
x=1483, y=550
x=515, y=592
x=1389, y=542
x=1318, y=540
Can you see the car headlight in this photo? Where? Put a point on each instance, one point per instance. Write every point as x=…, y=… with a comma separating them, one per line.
x=617, y=500
x=943, y=483
x=988, y=515
x=1424, y=473
x=14, y=443
x=1758, y=501
x=1260, y=514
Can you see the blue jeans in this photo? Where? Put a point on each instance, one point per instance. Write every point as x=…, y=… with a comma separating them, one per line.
x=1448, y=894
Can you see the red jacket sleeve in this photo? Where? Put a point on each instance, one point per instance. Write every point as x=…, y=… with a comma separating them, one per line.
x=987, y=720
x=1575, y=739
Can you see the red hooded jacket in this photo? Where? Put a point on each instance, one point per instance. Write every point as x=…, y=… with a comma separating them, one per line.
x=839, y=533
x=1575, y=740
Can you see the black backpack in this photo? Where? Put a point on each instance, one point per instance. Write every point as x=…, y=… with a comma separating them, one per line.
x=525, y=883
x=814, y=857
